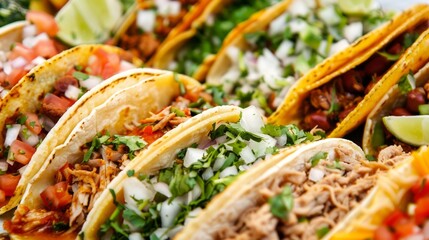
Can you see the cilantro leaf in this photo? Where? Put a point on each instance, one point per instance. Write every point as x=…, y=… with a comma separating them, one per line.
x=281, y=204
x=314, y=160
x=80, y=75
x=407, y=83
x=134, y=143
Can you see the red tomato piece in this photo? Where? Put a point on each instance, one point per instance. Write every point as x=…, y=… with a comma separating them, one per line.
x=20, y=50
x=22, y=152
x=383, y=233
x=395, y=218
x=43, y=21
x=8, y=183
x=57, y=196
x=32, y=122
x=421, y=213
x=420, y=189
x=45, y=48
x=150, y=138
x=109, y=69
x=13, y=78
x=2, y=197
x=105, y=64
x=404, y=229
x=148, y=130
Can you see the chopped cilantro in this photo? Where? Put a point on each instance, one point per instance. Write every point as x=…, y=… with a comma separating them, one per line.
x=407, y=83
x=321, y=232
x=21, y=119
x=282, y=204
x=130, y=173
x=80, y=76
x=314, y=160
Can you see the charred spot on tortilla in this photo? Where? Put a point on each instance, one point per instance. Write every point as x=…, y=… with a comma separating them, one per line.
x=31, y=77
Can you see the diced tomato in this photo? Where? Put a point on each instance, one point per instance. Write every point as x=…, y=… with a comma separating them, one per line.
x=43, y=21
x=2, y=196
x=420, y=189
x=383, y=233
x=45, y=48
x=13, y=78
x=105, y=64
x=395, y=217
x=150, y=138
x=404, y=229
x=20, y=50
x=8, y=183
x=57, y=196
x=32, y=123
x=22, y=152
x=421, y=213
x=148, y=130
x=109, y=69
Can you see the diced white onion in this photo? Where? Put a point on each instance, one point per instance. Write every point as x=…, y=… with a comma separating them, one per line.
x=22, y=170
x=28, y=136
x=247, y=155
x=7, y=68
x=192, y=214
x=91, y=82
x=169, y=211
x=136, y=236
x=47, y=123
x=298, y=8
x=339, y=46
x=243, y=167
x=411, y=209
x=260, y=148
x=329, y=15
x=316, y=174
x=251, y=119
x=194, y=194
x=233, y=53
x=282, y=140
x=192, y=156
x=72, y=92
x=168, y=8
x=162, y=188
x=229, y=171
x=4, y=93
x=125, y=65
x=32, y=41
x=208, y=173
x=18, y=62
x=146, y=20
x=3, y=166
x=29, y=30
x=278, y=25
x=284, y=49
x=221, y=139
x=12, y=134
x=218, y=163
x=353, y=31
x=210, y=20
x=161, y=233
x=134, y=188
x=38, y=60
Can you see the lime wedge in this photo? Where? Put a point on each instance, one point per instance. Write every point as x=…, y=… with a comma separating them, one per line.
x=413, y=130
x=88, y=21
x=355, y=7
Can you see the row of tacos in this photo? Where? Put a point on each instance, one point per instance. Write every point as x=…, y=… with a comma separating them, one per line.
x=147, y=154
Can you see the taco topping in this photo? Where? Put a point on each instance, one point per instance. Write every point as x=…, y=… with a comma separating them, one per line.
x=306, y=201
x=293, y=43
x=159, y=205
x=154, y=21
x=78, y=185
x=211, y=34
x=332, y=102
x=411, y=222
x=37, y=45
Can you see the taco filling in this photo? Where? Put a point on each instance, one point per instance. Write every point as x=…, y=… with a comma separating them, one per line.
x=330, y=103
x=37, y=45
x=154, y=21
x=78, y=185
x=26, y=130
x=210, y=35
x=293, y=43
x=157, y=206
x=411, y=221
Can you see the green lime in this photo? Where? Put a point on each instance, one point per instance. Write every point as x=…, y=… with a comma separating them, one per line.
x=355, y=7
x=413, y=130
x=88, y=21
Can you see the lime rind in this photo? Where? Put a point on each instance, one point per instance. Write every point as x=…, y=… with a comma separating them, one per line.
x=413, y=130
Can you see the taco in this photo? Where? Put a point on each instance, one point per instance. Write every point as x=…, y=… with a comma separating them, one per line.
x=24, y=45
x=340, y=100
x=172, y=183
x=42, y=109
x=301, y=196
x=193, y=50
x=409, y=97
x=154, y=22
x=397, y=208
x=67, y=187
x=261, y=63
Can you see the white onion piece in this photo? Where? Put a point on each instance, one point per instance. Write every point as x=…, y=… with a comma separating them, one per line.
x=162, y=188
x=22, y=170
x=353, y=31
x=251, y=119
x=146, y=20
x=72, y=92
x=282, y=140
x=426, y=230
x=278, y=25
x=192, y=156
x=47, y=123
x=18, y=62
x=338, y=46
x=411, y=209
x=260, y=148
x=229, y=171
x=12, y=134
x=247, y=155
x=136, y=236
x=7, y=68
x=38, y=60
x=316, y=174
x=329, y=15
x=161, y=233
x=32, y=41
x=3, y=166
x=125, y=65
x=169, y=211
x=284, y=50
x=208, y=173
x=4, y=93
x=28, y=136
x=218, y=163
x=167, y=8
x=91, y=82
x=194, y=194
x=221, y=139
x=298, y=8
x=243, y=168
x=29, y=30
x=192, y=214
x=134, y=188
x=233, y=53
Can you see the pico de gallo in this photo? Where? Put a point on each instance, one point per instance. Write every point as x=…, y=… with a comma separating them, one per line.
x=411, y=222
x=37, y=45
x=211, y=34
x=78, y=185
x=275, y=58
x=154, y=21
x=26, y=130
x=413, y=100
x=330, y=103
x=158, y=205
